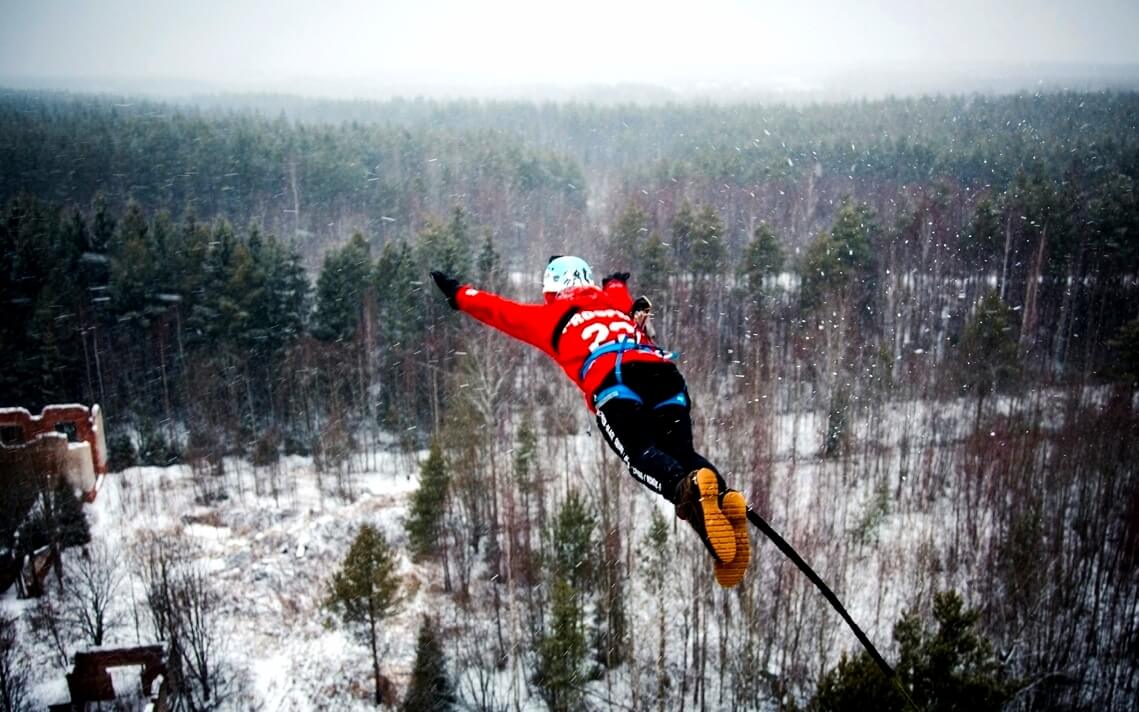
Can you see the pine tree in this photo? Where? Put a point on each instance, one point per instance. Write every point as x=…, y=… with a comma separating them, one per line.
x=682, y=229
x=1125, y=347
x=562, y=651
x=428, y=505
x=363, y=592
x=489, y=264
x=627, y=238
x=572, y=544
x=838, y=265
x=981, y=242
x=340, y=287
x=431, y=689
x=708, y=243
x=656, y=267
x=763, y=257
x=988, y=357
x=447, y=247
x=563, y=648
x=952, y=668
x=397, y=295
x=656, y=566
x=71, y=520
x=133, y=274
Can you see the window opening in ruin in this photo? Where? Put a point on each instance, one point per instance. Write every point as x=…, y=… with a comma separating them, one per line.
x=68, y=429
x=11, y=435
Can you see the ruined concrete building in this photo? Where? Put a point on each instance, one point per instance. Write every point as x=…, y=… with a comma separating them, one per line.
x=63, y=440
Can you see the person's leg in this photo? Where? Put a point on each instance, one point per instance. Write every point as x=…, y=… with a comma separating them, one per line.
x=673, y=422
x=656, y=445
x=627, y=428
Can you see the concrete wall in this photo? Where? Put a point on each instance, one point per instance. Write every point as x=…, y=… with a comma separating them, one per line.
x=39, y=448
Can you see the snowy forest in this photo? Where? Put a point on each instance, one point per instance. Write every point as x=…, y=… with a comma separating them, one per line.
x=910, y=328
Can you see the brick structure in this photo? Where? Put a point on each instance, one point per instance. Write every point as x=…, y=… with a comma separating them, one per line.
x=89, y=680
x=63, y=440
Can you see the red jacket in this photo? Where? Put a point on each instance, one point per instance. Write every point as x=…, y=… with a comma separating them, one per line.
x=569, y=328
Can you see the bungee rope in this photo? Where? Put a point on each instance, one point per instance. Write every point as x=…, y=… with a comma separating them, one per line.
x=761, y=524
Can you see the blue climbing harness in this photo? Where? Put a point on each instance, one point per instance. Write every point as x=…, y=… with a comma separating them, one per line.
x=619, y=391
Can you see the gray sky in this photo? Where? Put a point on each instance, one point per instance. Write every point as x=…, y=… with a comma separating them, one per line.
x=501, y=42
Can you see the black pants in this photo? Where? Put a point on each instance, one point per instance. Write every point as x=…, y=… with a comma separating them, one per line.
x=655, y=443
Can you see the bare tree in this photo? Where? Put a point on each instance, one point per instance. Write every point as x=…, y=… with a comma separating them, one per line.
x=13, y=670
x=184, y=610
x=90, y=586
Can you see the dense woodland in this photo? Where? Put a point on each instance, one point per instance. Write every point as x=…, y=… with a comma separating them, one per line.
x=247, y=278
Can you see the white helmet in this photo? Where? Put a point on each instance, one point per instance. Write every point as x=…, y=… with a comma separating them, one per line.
x=564, y=272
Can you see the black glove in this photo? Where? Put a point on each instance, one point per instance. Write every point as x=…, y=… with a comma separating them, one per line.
x=619, y=276
x=449, y=286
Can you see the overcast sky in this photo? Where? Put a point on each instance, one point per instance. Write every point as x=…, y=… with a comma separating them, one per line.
x=499, y=42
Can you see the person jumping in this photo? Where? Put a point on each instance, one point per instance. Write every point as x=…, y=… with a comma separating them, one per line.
x=600, y=337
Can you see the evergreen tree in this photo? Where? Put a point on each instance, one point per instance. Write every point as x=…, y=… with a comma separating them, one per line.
x=562, y=650
x=838, y=266
x=429, y=505
x=656, y=267
x=763, y=257
x=708, y=243
x=397, y=295
x=71, y=520
x=656, y=566
x=610, y=623
x=981, y=242
x=344, y=276
x=627, y=238
x=447, y=247
x=102, y=223
x=135, y=269
x=988, y=357
x=524, y=454
x=1125, y=346
x=207, y=321
x=952, y=668
x=683, y=229
x=491, y=275
x=431, y=689
x=572, y=544
x=363, y=592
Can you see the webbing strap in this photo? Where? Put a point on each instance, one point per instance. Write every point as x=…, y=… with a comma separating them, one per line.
x=614, y=392
x=617, y=347
x=680, y=399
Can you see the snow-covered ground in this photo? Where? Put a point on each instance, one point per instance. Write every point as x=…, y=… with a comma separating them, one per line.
x=873, y=540
x=272, y=559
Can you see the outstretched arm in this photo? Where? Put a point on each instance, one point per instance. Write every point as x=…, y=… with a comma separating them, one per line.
x=531, y=323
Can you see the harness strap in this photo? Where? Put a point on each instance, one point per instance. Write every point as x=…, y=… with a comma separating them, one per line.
x=618, y=347
x=619, y=391
x=680, y=399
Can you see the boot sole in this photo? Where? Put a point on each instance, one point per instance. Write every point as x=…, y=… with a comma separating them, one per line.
x=728, y=574
x=721, y=536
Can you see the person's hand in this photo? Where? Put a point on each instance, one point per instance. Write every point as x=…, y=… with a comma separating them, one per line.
x=618, y=276
x=642, y=304
x=449, y=286
x=641, y=312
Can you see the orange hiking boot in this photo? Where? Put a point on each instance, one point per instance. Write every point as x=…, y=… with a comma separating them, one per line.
x=698, y=503
x=730, y=573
